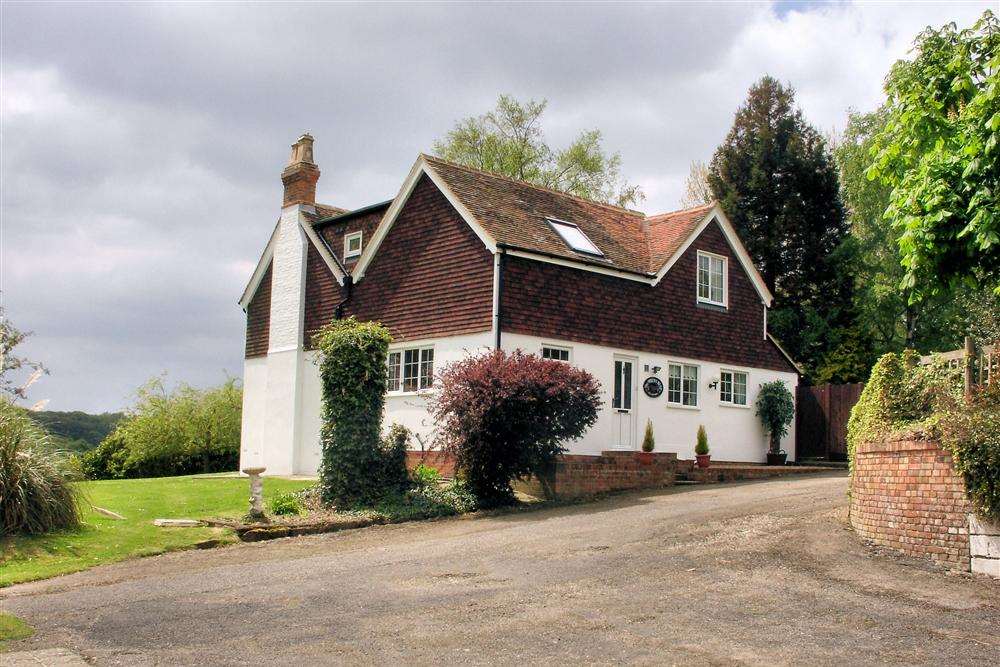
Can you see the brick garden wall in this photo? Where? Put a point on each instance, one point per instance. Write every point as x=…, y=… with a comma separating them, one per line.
x=906, y=495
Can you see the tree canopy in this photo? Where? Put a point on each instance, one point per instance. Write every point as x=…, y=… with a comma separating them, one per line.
x=776, y=179
x=938, y=155
x=508, y=140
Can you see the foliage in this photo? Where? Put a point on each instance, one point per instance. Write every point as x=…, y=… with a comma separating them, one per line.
x=11, y=365
x=353, y=376
x=77, y=431
x=776, y=179
x=101, y=539
x=505, y=416
x=422, y=502
x=701, y=442
x=284, y=504
x=36, y=494
x=697, y=191
x=776, y=409
x=971, y=432
x=508, y=140
x=424, y=475
x=177, y=432
x=393, y=475
x=12, y=628
x=939, y=155
x=648, y=442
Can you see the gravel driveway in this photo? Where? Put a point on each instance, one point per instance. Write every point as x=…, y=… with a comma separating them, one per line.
x=761, y=572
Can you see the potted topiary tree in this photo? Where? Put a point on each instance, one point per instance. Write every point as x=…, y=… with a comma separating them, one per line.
x=776, y=408
x=701, y=454
x=648, y=443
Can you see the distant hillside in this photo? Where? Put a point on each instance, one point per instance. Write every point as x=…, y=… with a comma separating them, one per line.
x=77, y=431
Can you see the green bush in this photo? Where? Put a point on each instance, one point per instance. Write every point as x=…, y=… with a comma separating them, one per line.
x=353, y=376
x=648, y=442
x=701, y=443
x=285, y=504
x=971, y=432
x=776, y=409
x=424, y=475
x=183, y=432
x=36, y=494
x=393, y=475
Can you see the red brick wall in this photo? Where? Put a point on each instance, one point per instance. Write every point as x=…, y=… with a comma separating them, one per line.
x=544, y=299
x=906, y=495
x=435, y=459
x=578, y=476
x=259, y=318
x=432, y=276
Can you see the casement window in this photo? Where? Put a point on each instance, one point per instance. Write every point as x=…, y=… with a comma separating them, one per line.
x=733, y=388
x=682, y=385
x=411, y=370
x=574, y=237
x=712, y=279
x=352, y=245
x=555, y=352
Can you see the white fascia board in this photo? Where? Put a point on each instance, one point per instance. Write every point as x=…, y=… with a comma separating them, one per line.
x=324, y=252
x=260, y=270
x=527, y=254
x=734, y=241
x=785, y=353
x=420, y=167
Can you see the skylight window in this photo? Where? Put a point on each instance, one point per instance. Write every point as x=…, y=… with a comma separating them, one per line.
x=574, y=237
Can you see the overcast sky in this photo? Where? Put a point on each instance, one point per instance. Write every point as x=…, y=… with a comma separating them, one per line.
x=142, y=144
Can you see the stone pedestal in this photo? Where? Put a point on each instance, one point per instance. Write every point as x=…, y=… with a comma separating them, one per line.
x=256, y=492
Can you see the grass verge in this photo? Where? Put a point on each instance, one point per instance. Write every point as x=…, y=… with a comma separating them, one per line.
x=103, y=539
x=12, y=628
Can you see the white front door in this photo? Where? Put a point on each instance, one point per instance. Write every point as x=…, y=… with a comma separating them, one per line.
x=622, y=403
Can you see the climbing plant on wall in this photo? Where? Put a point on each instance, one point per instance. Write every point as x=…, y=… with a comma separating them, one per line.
x=353, y=376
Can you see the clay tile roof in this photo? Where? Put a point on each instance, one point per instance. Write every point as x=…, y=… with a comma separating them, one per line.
x=515, y=214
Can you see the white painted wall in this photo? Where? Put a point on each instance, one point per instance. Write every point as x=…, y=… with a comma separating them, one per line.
x=734, y=433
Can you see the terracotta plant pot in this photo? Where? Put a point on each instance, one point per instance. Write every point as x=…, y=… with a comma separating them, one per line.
x=645, y=457
x=776, y=459
x=702, y=460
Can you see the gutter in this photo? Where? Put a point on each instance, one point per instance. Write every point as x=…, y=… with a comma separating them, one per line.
x=338, y=310
x=604, y=265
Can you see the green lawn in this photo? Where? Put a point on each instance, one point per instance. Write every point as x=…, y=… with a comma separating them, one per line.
x=105, y=540
x=12, y=628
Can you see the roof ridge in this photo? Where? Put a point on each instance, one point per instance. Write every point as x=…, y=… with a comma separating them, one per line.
x=710, y=205
x=534, y=186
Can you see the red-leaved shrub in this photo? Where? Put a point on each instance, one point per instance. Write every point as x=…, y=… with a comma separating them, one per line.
x=504, y=416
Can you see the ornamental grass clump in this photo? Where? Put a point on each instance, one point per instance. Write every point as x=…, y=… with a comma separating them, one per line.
x=505, y=415
x=36, y=491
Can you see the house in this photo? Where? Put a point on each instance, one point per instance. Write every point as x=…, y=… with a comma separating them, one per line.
x=667, y=311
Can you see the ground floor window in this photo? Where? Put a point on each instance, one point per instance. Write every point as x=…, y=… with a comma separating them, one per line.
x=733, y=387
x=682, y=384
x=411, y=369
x=556, y=353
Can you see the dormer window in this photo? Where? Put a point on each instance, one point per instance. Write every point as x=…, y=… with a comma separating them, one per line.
x=713, y=278
x=574, y=237
x=352, y=245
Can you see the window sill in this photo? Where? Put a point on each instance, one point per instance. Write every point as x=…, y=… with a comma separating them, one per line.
x=680, y=406
x=713, y=305
x=419, y=392
x=723, y=404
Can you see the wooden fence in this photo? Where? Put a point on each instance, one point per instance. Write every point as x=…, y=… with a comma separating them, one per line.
x=821, y=420
x=979, y=367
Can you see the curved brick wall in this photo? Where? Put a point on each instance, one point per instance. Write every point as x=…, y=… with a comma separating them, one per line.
x=906, y=495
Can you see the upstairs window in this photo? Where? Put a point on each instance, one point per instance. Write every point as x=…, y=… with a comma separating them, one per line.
x=574, y=237
x=556, y=353
x=411, y=369
x=733, y=388
x=712, y=279
x=682, y=385
x=352, y=245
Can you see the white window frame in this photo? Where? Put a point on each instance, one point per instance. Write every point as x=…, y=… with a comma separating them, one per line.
x=401, y=367
x=348, y=253
x=697, y=386
x=725, y=279
x=560, y=227
x=560, y=348
x=746, y=390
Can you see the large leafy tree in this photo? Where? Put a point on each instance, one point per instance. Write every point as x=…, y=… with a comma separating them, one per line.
x=775, y=178
x=509, y=141
x=938, y=155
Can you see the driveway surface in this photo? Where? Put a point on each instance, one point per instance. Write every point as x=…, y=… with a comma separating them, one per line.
x=763, y=572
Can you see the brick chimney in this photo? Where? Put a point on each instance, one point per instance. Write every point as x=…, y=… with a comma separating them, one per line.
x=301, y=174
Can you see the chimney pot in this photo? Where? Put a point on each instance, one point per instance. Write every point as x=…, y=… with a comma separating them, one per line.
x=301, y=174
